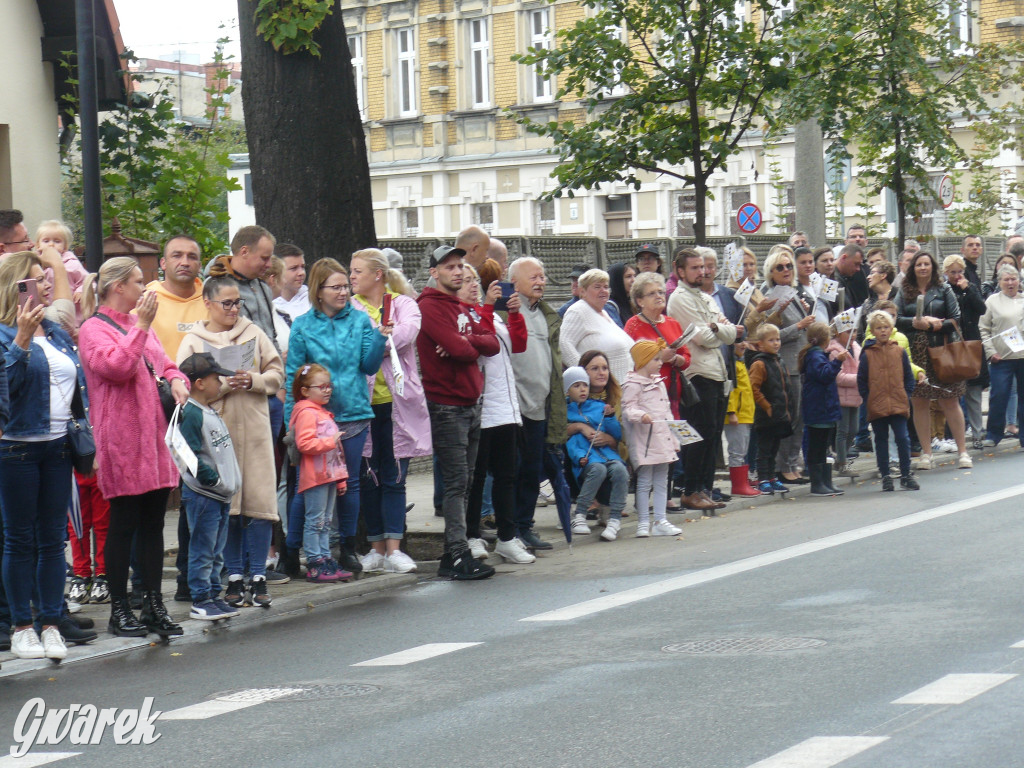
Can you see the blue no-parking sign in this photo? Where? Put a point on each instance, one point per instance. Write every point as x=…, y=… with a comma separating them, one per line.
x=748, y=218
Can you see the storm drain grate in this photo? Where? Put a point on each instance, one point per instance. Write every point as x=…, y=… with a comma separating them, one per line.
x=298, y=692
x=735, y=646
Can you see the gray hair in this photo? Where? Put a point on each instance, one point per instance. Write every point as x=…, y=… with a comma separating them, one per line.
x=641, y=283
x=592, y=276
x=513, y=268
x=706, y=253
x=1007, y=269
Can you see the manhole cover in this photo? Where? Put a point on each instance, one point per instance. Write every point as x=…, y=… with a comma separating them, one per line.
x=298, y=692
x=734, y=646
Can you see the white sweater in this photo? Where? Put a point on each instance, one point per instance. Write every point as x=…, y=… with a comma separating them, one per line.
x=501, y=403
x=584, y=329
x=1001, y=314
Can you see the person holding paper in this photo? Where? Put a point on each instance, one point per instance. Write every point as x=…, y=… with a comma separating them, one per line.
x=757, y=307
x=229, y=337
x=1001, y=334
x=400, y=429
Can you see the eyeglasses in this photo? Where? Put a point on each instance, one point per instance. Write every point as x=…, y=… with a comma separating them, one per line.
x=652, y=294
x=230, y=304
x=322, y=387
x=335, y=288
x=783, y=267
x=17, y=242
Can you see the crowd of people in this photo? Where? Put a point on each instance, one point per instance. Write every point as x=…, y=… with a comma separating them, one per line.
x=258, y=374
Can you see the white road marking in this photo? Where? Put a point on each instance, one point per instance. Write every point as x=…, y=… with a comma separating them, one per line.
x=1018, y=645
x=33, y=759
x=229, y=703
x=419, y=653
x=769, y=558
x=954, y=689
x=820, y=752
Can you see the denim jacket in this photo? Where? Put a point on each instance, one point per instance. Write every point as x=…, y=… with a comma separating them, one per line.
x=28, y=379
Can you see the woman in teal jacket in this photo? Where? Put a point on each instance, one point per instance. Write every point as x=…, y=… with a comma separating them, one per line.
x=344, y=341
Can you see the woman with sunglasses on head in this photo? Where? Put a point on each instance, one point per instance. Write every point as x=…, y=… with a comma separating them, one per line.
x=793, y=314
x=243, y=406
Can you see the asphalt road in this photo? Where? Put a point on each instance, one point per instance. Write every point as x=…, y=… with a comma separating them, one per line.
x=871, y=630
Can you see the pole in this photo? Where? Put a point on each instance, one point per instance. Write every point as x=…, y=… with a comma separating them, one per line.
x=88, y=119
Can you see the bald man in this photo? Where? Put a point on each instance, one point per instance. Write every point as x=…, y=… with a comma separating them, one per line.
x=475, y=242
x=497, y=251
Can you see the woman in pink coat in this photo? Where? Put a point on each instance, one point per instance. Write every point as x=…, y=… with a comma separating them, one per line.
x=849, y=400
x=136, y=473
x=400, y=429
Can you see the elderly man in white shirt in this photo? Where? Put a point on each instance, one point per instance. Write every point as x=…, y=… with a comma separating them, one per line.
x=707, y=372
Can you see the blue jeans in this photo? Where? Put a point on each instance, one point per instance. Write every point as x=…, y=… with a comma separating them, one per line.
x=383, y=489
x=596, y=474
x=348, y=506
x=899, y=430
x=296, y=512
x=248, y=542
x=319, y=502
x=208, y=536
x=5, y=608
x=1002, y=375
x=537, y=458
x=455, y=431
x=35, y=490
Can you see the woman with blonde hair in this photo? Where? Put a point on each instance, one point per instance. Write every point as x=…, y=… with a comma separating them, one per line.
x=122, y=357
x=588, y=326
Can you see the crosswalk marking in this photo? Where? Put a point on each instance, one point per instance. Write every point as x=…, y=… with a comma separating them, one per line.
x=954, y=689
x=419, y=653
x=230, y=703
x=32, y=759
x=820, y=752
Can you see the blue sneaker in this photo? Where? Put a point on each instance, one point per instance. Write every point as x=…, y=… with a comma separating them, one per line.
x=206, y=610
x=765, y=487
x=777, y=486
x=225, y=609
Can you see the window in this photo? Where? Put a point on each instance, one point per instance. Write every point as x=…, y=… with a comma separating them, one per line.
x=619, y=89
x=406, y=84
x=479, y=74
x=248, y=189
x=410, y=221
x=739, y=15
x=483, y=216
x=618, y=210
x=778, y=13
x=355, y=47
x=785, y=201
x=685, y=212
x=541, y=87
x=544, y=213
x=961, y=21
x=735, y=197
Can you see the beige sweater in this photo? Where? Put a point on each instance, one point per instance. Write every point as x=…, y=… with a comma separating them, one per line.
x=1001, y=314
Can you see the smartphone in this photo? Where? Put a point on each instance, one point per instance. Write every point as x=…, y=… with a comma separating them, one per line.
x=28, y=289
x=385, y=310
x=506, y=293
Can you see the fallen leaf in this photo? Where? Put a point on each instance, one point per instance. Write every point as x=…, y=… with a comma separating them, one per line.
x=175, y=654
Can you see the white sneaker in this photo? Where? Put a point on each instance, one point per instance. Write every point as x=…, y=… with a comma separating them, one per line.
x=664, y=528
x=964, y=462
x=579, y=525
x=643, y=529
x=924, y=461
x=513, y=551
x=399, y=562
x=949, y=446
x=53, y=644
x=372, y=562
x=478, y=548
x=611, y=531
x=25, y=644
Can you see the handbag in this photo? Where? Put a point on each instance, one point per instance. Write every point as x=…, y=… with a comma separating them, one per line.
x=687, y=393
x=163, y=386
x=80, y=436
x=956, y=361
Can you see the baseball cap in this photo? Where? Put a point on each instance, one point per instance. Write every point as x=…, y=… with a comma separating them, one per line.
x=648, y=248
x=200, y=365
x=578, y=269
x=442, y=253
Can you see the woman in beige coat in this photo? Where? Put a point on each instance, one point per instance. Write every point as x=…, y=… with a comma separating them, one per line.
x=243, y=406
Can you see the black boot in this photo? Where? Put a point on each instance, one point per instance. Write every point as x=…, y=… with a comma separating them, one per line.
x=829, y=483
x=818, y=485
x=349, y=561
x=290, y=562
x=154, y=616
x=122, y=621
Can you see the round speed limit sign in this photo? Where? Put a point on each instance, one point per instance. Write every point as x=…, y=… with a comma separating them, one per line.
x=947, y=191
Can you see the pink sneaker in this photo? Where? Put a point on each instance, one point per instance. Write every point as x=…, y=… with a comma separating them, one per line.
x=321, y=573
x=339, y=573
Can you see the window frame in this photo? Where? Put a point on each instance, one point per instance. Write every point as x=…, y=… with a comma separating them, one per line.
x=480, y=96
x=405, y=72
x=357, y=51
x=542, y=89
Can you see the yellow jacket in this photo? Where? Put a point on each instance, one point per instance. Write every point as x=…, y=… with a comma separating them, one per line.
x=741, y=399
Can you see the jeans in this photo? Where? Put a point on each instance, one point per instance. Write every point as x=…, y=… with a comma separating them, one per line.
x=248, y=542
x=708, y=418
x=537, y=458
x=651, y=480
x=499, y=453
x=596, y=474
x=319, y=502
x=383, y=489
x=348, y=506
x=846, y=431
x=181, y=562
x=139, y=518
x=1002, y=374
x=737, y=436
x=296, y=511
x=1011, y=406
x=208, y=527
x=35, y=490
x=5, y=608
x=899, y=429
x=438, y=485
x=456, y=436
x=972, y=409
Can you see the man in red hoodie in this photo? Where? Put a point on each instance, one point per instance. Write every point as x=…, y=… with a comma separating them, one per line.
x=450, y=341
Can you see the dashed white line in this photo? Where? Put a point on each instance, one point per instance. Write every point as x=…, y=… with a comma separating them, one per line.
x=820, y=752
x=419, y=653
x=33, y=759
x=1018, y=645
x=769, y=558
x=954, y=689
x=230, y=703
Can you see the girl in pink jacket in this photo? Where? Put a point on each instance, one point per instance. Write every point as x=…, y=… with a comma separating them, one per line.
x=849, y=399
x=652, y=445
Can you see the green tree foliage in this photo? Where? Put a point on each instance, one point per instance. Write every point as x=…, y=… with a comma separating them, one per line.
x=900, y=82
x=690, y=81
x=160, y=176
x=289, y=25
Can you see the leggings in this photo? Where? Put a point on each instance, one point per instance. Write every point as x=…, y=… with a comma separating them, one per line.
x=143, y=514
x=819, y=439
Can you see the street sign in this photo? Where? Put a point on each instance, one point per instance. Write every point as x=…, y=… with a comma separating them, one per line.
x=748, y=218
x=947, y=191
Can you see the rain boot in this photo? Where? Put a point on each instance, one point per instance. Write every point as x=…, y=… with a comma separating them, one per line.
x=349, y=561
x=828, y=481
x=741, y=482
x=819, y=487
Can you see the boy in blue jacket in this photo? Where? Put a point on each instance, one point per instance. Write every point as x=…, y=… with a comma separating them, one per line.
x=594, y=464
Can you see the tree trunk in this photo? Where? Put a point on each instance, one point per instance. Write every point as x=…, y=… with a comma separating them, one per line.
x=700, y=188
x=307, y=149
